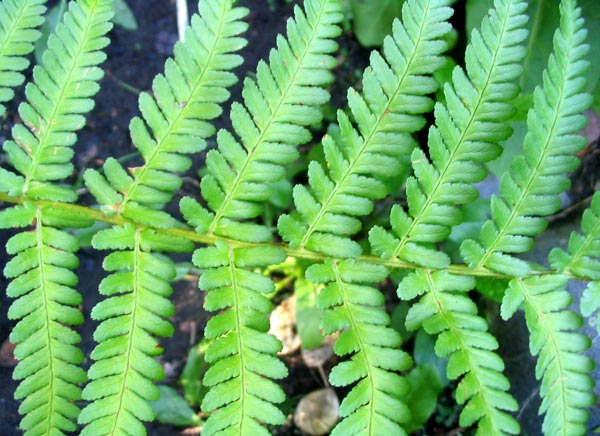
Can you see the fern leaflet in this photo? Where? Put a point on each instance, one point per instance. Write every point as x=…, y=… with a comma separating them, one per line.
x=530, y=189
x=566, y=388
x=446, y=310
x=374, y=405
x=528, y=192
x=19, y=20
x=467, y=131
x=285, y=99
x=396, y=86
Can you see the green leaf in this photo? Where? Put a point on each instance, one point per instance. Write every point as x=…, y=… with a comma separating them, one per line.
x=124, y=16
x=308, y=315
x=193, y=372
x=425, y=387
x=373, y=19
x=172, y=409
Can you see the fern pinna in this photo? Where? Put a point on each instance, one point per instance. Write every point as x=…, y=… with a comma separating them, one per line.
x=370, y=151
x=20, y=20
x=529, y=191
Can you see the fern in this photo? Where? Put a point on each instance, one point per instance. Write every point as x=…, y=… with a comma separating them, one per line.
x=396, y=85
x=396, y=88
x=43, y=283
x=283, y=101
x=19, y=20
x=467, y=131
x=582, y=258
x=189, y=94
x=371, y=150
x=528, y=192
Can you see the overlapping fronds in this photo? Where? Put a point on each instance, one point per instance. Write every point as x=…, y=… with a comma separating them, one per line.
x=19, y=20
x=280, y=104
x=133, y=315
x=374, y=405
x=395, y=89
x=446, y=310
x=467, y=132
x=57, y=99
x=175, y=117
x=43, y=283
x=530, y=189
x=241, y=351
x=566, y=388
x=188, y=95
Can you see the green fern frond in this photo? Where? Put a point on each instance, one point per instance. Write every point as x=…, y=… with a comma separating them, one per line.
x=241, y=352
x=284, y=100
x=566, y=387
x=57, y=99
x=374, y=405
x=531, y=188
x=468, y=129
x=583, y=253
x=19, y=21
x=133, y=315
x=185, y=98
x=176, y=116
x=446, y=310
x=395, y=89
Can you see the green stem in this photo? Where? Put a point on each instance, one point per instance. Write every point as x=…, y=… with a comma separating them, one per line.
x=211, y=239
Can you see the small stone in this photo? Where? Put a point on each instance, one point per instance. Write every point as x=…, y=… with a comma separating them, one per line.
x=317, y=357
x=317, y=413
x=283, y=325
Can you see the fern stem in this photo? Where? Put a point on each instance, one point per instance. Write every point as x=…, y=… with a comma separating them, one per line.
x=51, y=378
x=238, y=327
x=208, y=239
x=131, y=337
